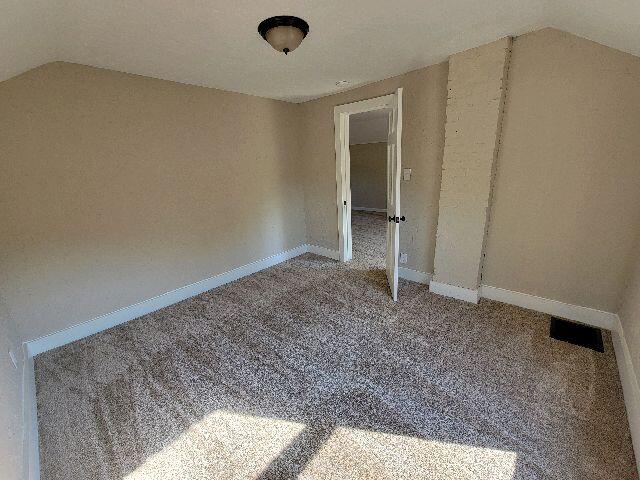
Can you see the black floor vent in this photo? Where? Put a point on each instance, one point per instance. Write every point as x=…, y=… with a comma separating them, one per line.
x=576, y=333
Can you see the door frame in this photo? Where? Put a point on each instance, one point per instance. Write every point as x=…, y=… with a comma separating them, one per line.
x=341, y=115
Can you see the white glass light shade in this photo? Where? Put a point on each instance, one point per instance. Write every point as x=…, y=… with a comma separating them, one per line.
x=284, y=38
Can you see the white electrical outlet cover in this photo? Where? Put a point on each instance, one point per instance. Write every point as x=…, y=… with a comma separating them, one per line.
x=403, y=258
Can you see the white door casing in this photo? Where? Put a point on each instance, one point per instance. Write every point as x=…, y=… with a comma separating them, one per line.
x=392, y=103
x=394, y=168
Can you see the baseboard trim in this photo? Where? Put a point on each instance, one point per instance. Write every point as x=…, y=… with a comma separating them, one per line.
x=30, y=446
x=414, y=275
x=630, y=386
x=368, y=209
x=323, y=251
x=453, y=291
x=103, y=322
x=589, y=316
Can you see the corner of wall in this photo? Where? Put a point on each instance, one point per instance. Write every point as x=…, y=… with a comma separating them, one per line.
x=301, y=135
x=630, y=387
x=496, y=155
x=477, y=86
x=11, y=396
x=30, y=451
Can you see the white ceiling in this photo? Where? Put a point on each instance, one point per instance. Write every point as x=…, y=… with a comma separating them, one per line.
x=369, y=127
x=215, y=43
x=27, y=35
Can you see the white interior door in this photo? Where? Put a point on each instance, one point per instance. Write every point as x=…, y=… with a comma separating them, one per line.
x=394, y=155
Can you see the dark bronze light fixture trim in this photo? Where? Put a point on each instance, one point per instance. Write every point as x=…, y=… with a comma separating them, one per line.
x=284, y=39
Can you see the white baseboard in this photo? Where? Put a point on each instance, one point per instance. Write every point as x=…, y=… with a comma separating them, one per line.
x=325, y=252
x=406, y=273
x=414, y=275
x=454, y=291
x=30, y=447
x=630, y=387
x=103, y=322
x=590, y=316
x=368, y=209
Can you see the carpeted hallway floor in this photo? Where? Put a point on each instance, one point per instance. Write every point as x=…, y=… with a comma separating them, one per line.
x=369, y=238
x=309, y=370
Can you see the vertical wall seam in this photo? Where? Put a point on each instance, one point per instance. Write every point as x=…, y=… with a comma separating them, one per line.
x=494, y=172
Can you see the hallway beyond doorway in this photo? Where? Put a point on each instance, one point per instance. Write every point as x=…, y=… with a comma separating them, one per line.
x=369, y=233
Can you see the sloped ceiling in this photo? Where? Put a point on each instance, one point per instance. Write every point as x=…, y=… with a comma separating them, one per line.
x=215, y=43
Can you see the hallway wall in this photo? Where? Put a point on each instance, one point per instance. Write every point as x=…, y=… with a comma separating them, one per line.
x=369, y=175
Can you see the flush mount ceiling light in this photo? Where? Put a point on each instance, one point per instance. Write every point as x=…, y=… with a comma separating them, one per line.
x=284, y=33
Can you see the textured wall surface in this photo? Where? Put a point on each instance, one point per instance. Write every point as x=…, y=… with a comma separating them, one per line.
x=566, y=208
x=116, y=188
x=369, y=175
x=10, y=399
x=630, y=316
x=425, y=97
x=474, y=107
x=630, y=320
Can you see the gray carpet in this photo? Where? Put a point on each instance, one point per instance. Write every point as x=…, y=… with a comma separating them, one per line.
x=309, y=370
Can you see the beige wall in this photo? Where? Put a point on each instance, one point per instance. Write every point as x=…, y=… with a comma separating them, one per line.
x=369, y=175
x=425, y=97
x=630, y=320
x=474, y=112
x=116, y=188
x=566, y=207
x=630, y=315
x=10, y=399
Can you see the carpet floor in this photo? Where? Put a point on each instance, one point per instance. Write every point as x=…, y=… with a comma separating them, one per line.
x=309, y=370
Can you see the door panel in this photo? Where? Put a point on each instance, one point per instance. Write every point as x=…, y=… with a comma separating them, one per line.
x=394, y=166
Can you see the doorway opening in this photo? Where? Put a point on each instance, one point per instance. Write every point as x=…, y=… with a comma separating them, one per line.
x=368, y=135
x=387, y=109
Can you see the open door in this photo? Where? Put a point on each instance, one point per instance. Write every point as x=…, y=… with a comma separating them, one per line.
x=393, y=104
x=394, y=166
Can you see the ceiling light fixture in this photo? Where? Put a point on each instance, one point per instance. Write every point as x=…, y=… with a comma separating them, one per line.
x=284, y=33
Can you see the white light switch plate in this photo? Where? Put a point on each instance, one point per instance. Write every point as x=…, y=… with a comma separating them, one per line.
x=406, y=174
x=404, y=258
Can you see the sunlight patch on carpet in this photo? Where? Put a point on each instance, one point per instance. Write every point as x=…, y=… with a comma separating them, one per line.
x=225, y=444
x=221, y=444
x=354, y=453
